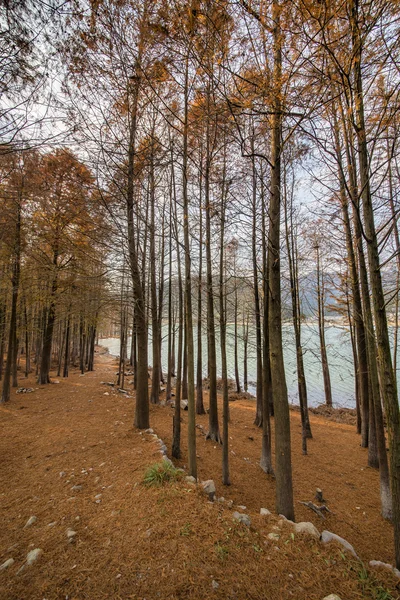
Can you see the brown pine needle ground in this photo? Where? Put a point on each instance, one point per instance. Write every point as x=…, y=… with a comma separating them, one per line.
x=138, y=542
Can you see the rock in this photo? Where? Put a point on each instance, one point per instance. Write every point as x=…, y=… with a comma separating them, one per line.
x=184, y=405
x=30, y=521
x=33, y=556
x=307, y=529
x=98, y=496
x=77, y=488
x=71, y=534
x=190, y=479
x=149, y=430
x=327, y=537
x=221, y=500
x=215, y=584
x=62, y=474
x=167, y=460
x=265, y=512
x=242, y=518
x=209, y=488
x=332, y=597
x=52, y=524
x=229, y=504
x=378, y=563
x=6, y=564
x=273, y=536
x=242, y=507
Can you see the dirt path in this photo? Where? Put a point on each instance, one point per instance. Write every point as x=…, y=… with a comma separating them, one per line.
x=71, y=458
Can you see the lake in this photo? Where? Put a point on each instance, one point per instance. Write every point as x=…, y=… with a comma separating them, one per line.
x=339, y=352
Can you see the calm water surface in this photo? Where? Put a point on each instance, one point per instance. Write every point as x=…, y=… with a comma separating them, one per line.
x=339, y=352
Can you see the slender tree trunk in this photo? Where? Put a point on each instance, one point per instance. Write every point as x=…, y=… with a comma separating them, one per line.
x=199, y=382
x=387, y=378
x=245, y=346
x=176, y=441
x=361, y=359
x=296, y=316
x=192, y=461
x=237, y=379
x=67, y=344
x=266, y=444
x=11, y=350
x=321, y=330
x=222, y=326
x=257, y=310
x=155, y=382
x=283, y=470
x=168, y=393
x=27, y=342
x=142, y=392
x=213, y=425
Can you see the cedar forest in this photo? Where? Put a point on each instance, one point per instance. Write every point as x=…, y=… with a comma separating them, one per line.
x=183, y=173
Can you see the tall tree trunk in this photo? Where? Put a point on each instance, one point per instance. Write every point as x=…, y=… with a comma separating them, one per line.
x=387, y=378
x=199, y=382
x=296, y=315
x=142, y=392
x=155, y=381
x=176, y=435
x=16, y=271
x=257, y=310
x=168, y=393
x=361, y=359
x=213, y=425
x=45, y=364
x=321, y=329
x=245, y=346
x=266, y=443
x=222, y=326
x=192, y=461
x=283, y=470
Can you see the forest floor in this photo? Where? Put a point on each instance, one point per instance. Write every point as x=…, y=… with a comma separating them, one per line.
x=71, y=458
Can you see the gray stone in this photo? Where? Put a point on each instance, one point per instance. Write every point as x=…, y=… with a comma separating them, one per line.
x=327, y=537
x=6, y=564
x=273, y=536
x=33, y=556
x=52, y=524
x=242, y=507
x=167, y=460
x=332, y=597
x=62, y=474
x=30, y=521
x=387, y=566
x=307, y=529
x=265, y=512
x=215, y=584
x=184, y=405
x=71, y=533
x=77, y=488
x=149, y=430
x=221, y=500
x=209, y=488
x=242, y=518
x=190, y=479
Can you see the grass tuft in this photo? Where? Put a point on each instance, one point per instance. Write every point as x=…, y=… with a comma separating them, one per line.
x=161, y=473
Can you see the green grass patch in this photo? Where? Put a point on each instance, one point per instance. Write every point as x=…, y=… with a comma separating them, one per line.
x=161, y=473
